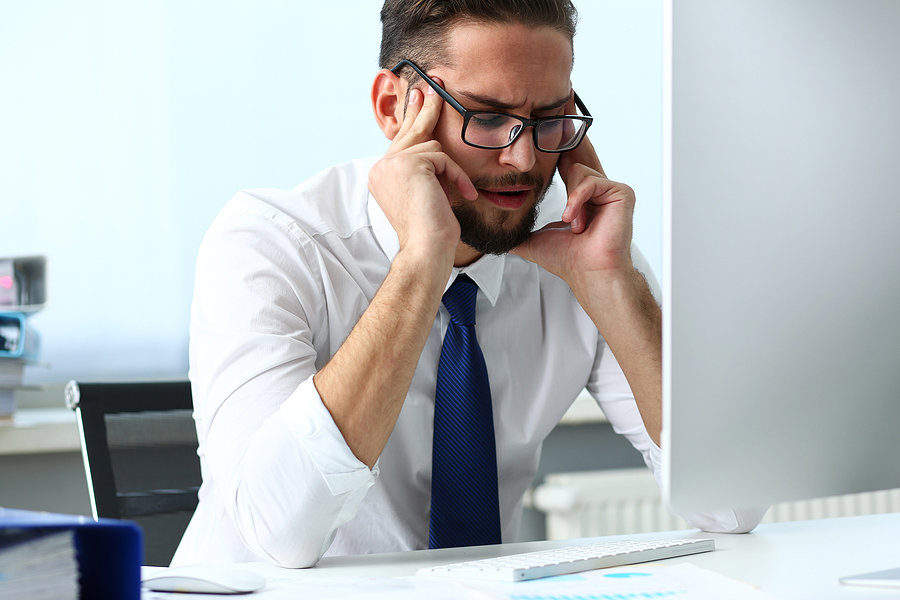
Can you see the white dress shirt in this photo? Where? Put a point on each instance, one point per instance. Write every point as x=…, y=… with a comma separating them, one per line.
x=282, y=277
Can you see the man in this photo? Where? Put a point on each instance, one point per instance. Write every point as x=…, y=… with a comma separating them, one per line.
x=319, y=340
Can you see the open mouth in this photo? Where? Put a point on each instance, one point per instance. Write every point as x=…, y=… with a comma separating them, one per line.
x=510, y=198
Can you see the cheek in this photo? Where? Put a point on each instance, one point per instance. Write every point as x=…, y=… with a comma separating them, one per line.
x=448, y=128
x=448, y=131
x=546, y=164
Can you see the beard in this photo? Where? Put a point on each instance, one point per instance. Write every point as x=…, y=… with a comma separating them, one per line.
x=500, y=232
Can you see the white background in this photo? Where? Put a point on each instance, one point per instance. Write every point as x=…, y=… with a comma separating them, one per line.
x=125, y=126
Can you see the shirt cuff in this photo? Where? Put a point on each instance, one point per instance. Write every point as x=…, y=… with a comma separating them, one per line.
x=312, y=424
x=655, y=453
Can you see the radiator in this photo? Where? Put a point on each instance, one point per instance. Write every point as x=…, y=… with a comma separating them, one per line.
x=624, y=501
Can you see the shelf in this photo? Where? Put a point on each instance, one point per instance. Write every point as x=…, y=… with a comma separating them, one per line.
x=40, y=431
x=46, y=430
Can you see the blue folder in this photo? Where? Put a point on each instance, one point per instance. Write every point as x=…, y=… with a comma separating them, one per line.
x=109, y=552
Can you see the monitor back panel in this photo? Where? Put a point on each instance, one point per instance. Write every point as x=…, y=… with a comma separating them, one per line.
x=782, y=250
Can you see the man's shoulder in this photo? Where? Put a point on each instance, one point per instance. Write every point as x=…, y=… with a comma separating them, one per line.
x=333, y=200
x=340, y=177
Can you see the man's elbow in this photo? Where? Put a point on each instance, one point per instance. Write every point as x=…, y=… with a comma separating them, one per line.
x=296, y=553
x=303, y=560
x=727, y=521
x=292, y=542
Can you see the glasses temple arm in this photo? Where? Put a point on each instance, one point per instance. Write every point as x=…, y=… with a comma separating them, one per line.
x=438, y=89
x=581, y=105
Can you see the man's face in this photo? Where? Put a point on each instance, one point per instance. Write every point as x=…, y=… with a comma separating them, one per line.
x=512, y=69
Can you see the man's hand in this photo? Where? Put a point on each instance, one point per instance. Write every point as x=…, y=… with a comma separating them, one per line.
x=593, y=238
x=365, y=383
x=590, y=249
x=411, y=183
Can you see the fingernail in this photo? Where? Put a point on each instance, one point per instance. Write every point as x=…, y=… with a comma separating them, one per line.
x=429, y=90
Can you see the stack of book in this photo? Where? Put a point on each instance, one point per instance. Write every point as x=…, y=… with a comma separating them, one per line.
x=38, y=564
x=11, y=373
x=22, y=293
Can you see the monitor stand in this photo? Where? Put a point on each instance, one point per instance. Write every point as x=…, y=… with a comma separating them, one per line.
x=888, y=579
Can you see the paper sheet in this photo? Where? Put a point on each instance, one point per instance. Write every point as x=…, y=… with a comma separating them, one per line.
x=635, y=582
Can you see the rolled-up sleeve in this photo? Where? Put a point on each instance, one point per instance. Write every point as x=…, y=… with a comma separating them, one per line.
x=621, y=409
x=610, y=389
x=274, y=461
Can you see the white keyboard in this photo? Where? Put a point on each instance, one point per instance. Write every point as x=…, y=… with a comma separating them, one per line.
x=571, y=559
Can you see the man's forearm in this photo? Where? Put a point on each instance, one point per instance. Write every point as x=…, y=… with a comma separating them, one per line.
x=629, y=319
x=366, y=381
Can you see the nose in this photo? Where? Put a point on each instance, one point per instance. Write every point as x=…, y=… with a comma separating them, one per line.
x=521, y=155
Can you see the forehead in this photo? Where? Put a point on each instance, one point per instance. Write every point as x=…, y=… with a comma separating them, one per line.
x=510, y=62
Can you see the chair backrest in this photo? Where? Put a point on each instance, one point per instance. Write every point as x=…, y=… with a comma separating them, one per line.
x=139, y=446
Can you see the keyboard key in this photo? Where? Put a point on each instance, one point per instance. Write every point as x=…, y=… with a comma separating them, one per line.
x=571, y=559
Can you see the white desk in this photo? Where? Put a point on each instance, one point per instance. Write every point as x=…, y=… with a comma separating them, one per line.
x=790, y=561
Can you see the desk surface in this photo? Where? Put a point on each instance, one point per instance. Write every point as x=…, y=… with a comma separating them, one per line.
x=799, y=560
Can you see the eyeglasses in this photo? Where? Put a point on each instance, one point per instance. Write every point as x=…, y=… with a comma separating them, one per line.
x=496, y=130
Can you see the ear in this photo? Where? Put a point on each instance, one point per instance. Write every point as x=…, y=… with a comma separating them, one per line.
x=388, y=97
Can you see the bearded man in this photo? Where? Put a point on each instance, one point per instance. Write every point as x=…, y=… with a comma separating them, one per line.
x=377, y=355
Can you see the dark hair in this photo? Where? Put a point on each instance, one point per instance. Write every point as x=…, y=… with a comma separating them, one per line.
x=417, y=29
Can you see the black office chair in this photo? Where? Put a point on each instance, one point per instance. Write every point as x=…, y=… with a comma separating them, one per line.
x=140, y=456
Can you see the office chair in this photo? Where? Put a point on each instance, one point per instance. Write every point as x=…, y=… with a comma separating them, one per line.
x=139, y=446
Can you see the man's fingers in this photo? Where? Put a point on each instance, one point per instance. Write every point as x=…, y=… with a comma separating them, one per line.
x=452, y=172
x=413, y=106
x=588, y=187
x=577, y=176
x=422, y=113
x=423, y=126
x=428, y=156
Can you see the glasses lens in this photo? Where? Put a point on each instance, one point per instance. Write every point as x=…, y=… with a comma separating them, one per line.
x=491, y=130
x=496, y=130
x=560, y=134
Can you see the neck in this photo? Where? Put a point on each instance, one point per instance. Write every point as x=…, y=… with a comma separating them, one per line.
x=465, y=255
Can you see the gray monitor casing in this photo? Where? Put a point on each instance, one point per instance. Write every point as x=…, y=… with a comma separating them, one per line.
x=781, y=265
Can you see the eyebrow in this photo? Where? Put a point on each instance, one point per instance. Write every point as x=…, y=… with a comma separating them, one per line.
x=497, y=104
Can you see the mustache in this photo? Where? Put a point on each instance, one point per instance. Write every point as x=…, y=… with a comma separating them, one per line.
x=532, y=180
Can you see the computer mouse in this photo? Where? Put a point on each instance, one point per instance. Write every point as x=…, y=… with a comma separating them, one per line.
x=206, y=579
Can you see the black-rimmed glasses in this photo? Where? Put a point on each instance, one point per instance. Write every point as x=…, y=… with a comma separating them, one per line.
x=496, y=130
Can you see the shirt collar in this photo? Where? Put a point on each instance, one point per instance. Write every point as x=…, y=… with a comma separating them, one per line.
x=487, y=271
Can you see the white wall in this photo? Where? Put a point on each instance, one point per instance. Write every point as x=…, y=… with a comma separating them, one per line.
x=125, y=126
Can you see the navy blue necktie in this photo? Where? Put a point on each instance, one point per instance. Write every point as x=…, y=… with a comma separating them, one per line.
x=465, y=509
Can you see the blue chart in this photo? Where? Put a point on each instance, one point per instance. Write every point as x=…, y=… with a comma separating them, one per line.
x=649, y=582
x=606, y=581
x=599, y=596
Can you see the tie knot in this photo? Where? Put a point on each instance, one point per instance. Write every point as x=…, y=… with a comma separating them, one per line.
x=460, y=300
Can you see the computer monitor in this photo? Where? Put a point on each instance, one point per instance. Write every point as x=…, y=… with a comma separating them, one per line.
x=782, y=251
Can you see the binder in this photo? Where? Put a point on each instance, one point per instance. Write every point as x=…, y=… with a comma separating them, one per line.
x=109, y=551
x=17, y=338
